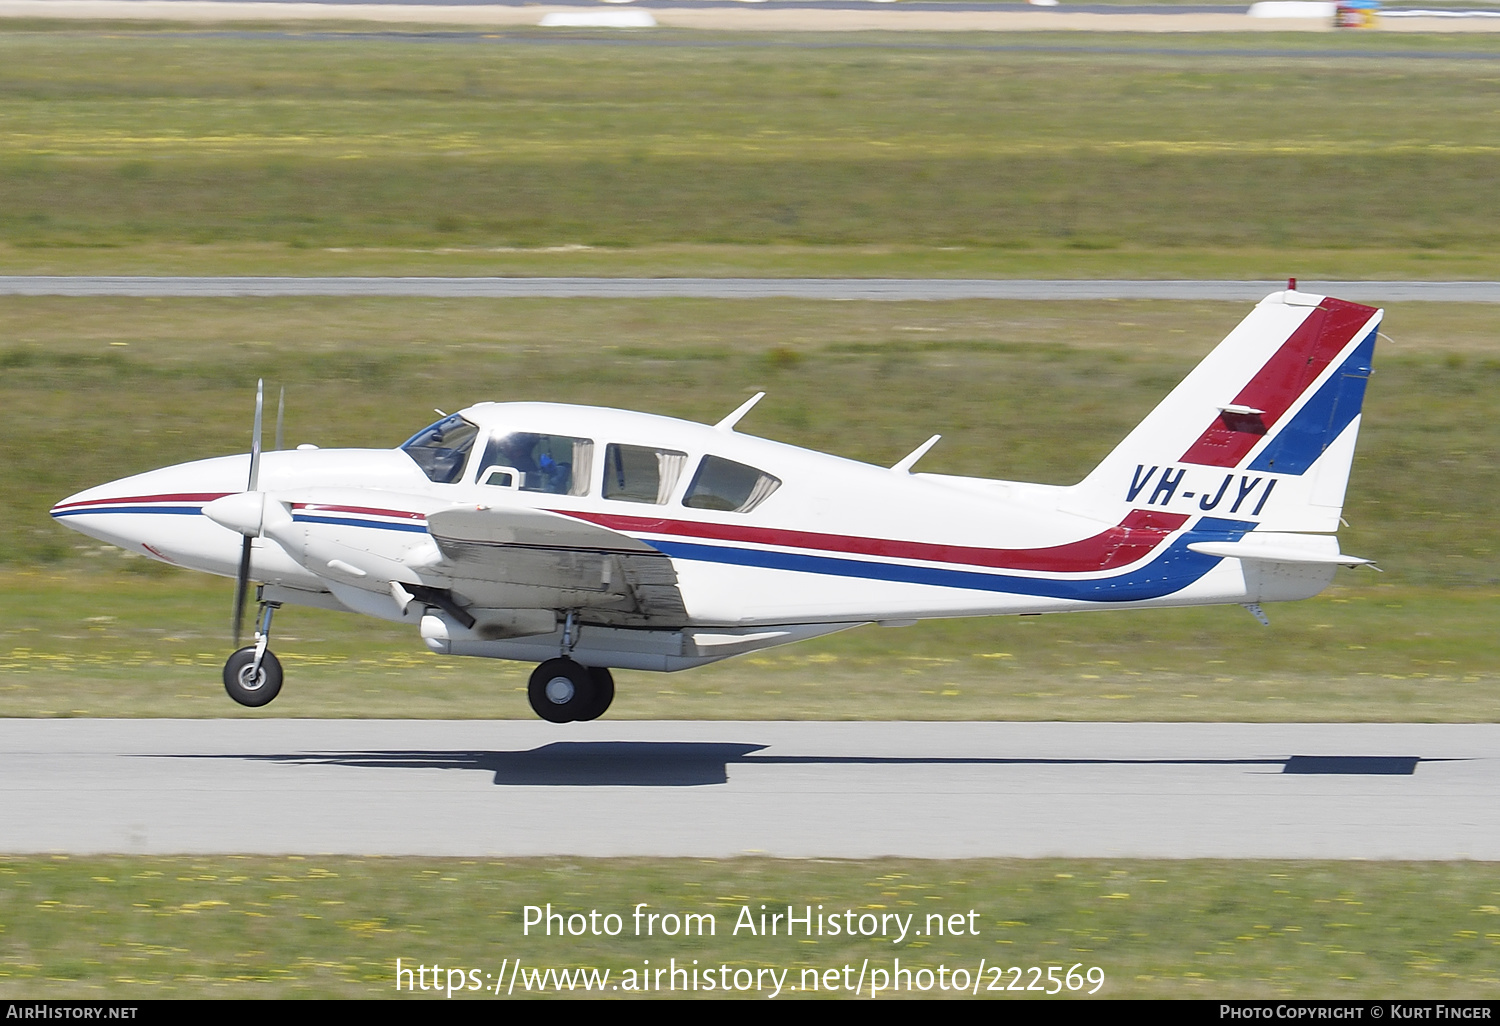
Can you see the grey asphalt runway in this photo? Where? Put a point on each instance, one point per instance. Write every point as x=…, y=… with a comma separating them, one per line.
x=717, y=789
x=888, y=289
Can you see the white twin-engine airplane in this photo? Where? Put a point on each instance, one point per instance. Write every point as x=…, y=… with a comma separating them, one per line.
x=586, y=538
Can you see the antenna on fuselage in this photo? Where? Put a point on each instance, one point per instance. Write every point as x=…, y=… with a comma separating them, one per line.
x=728, y=423
x=280, y=415
x=905, y=465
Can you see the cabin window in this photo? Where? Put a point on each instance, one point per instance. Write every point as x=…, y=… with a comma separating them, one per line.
x=639, y=473
x=725, y=485
x=441, y=449
x=555, y=464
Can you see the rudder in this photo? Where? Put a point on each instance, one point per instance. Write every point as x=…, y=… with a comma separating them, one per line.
x=1262, y=430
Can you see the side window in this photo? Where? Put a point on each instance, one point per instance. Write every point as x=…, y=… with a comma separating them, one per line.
x=440, y=449
x=726, y=485
x=638, y=473
x=556, y=464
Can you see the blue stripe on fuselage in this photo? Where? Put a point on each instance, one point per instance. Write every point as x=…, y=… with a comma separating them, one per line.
x=173, y=510
x=1169, y=572
x=303, y=518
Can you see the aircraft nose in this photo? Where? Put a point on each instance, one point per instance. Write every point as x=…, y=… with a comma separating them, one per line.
x=95, y=512
x=131, y=510
x=155, y=514
x=84, y=512
x=81, y=502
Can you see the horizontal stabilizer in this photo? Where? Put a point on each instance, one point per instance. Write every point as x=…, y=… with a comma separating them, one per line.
x=1268, y=551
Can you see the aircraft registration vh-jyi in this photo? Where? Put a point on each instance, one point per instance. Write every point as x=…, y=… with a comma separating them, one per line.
x=586, y=539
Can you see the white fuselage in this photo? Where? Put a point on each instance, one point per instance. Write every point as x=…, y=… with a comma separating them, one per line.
x=836, y=543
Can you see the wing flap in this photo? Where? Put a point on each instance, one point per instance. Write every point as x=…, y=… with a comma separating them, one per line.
x=539, y=528
x=509, y=556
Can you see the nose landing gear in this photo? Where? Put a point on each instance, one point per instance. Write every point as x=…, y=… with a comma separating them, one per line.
x=565, y=691
x=252, y=675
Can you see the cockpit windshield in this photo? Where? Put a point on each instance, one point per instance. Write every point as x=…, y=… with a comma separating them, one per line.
x=442, y=448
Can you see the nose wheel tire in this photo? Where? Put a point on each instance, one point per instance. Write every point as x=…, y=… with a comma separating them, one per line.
x=248, y=687
x=561, y=690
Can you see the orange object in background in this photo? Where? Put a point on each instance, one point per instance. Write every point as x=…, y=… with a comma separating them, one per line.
x=1356, y=14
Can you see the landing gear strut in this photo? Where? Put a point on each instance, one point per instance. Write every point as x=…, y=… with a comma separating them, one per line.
x=564, y=691
x=252, y=675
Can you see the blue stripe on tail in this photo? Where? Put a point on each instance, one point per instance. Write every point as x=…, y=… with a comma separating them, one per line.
x=1323, y=418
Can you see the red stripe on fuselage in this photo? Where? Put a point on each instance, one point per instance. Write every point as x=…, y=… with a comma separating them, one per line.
x=367, y=510
x=1283, y=379
x=120, y=499
x=1132, y=539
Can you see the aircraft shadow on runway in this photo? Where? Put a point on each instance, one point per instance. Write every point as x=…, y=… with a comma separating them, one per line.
x=693, y=764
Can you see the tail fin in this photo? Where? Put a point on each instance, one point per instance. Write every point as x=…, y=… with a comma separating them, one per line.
x=1261, y=431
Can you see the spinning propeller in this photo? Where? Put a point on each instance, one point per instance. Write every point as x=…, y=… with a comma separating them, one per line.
x=252, y=676
x=245, y=511
x=242, y=579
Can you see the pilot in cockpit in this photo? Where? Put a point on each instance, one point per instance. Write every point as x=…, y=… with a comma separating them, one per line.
x=554, y=476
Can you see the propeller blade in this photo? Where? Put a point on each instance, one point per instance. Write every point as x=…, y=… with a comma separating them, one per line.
x=280, y=416
x=242, y=579
x=241, y=586
x=255, y=438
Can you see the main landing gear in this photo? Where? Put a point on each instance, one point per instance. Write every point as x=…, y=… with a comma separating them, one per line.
x=252, y=676
x=562, y=691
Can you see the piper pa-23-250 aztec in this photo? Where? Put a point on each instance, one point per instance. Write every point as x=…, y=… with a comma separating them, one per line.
x=585, y=538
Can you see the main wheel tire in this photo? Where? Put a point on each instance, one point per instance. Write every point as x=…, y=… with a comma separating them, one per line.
x=561, y=691
x=253, y=691
x=604, y=692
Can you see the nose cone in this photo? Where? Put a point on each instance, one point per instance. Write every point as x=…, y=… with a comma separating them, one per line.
x=161, y=513
x=128, y=495
x=139, y=513
x=61, y=510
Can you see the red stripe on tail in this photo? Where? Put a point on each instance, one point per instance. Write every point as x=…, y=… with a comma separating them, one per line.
x=1283, y=379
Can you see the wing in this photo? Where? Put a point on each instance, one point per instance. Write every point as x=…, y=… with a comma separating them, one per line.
x=509, y=558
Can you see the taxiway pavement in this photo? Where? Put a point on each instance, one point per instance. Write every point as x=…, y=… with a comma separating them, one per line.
x=717, y=789
x=878, y=289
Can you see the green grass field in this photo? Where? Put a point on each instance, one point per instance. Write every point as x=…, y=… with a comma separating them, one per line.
x=94, y=644
x=1253, y=156
x=96, y=389
x=225, y=926
x=149, y=149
